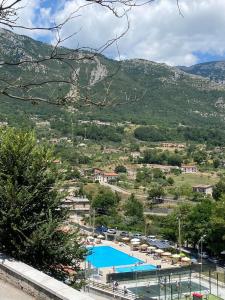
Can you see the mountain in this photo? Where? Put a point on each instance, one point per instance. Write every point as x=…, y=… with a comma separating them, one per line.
x=214, y=70
x=141, y=91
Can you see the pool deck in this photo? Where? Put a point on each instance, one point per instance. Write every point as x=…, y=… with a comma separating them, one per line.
x=140, y=255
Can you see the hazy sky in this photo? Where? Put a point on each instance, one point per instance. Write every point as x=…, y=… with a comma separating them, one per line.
x=157, y=31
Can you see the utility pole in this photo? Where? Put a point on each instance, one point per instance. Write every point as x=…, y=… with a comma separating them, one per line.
x=201, y=254
x=147, y=223
x=93, y=228
x=179, y=234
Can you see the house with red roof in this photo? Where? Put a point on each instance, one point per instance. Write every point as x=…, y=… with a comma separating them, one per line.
x=103, y=176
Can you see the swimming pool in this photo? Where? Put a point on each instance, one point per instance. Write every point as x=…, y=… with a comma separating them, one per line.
x=106, y=256
x=136, y=268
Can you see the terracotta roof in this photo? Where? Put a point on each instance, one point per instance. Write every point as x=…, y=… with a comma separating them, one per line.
x=111, y=174
x=56, y=161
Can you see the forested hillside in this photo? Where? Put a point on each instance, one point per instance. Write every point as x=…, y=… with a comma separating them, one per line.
x=141, y=91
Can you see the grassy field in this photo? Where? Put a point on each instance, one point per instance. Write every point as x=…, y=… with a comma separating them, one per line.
x=194, y=179
x=212, y=297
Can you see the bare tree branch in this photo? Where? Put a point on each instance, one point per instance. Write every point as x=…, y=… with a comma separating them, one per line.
x=26, y=90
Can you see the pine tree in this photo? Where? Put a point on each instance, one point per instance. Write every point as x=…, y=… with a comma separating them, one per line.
x=31, y=216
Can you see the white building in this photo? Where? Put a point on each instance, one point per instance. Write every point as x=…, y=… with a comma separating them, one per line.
x=189, y=169
x=78, y=206
x=102, y=176
x=202, y=188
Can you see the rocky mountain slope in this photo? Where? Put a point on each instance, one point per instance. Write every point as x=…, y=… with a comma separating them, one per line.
x=214, y=70
x=135, y=90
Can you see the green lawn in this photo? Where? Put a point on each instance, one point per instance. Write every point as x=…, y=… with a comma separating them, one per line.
x=212, y=297
x=194, y=179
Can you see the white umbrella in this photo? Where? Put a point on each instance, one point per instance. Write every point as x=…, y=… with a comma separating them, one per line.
x=158, y=251
x=90, y=238
x=100, y=236
x=185, y=259
x=151, y=248
x=136, y=243
x=176, y=256
x=135, y=240
x=125, y=238
x=144, y=246
x=166, y=254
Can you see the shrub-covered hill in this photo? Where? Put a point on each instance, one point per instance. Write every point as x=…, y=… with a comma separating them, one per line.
x=141, y=91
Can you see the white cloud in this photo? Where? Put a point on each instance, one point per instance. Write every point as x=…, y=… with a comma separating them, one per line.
x=157, y=31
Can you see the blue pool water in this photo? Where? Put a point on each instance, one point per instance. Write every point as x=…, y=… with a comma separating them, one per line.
x=106, y=256
x=136, y=268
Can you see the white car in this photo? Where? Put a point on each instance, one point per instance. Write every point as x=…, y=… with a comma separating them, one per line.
x=203, y=255
x=111, y=231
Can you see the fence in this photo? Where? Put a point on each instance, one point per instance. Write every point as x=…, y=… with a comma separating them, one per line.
x=110, y=290
x=127, y=276
x=169, y=284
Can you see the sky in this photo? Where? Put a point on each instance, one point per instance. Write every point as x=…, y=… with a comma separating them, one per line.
x=157, y=30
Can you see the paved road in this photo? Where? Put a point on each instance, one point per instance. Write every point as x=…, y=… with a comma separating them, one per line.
x=9, y=292
x=118, y=189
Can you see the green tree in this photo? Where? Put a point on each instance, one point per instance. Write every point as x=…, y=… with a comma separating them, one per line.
x=216, y=163
x=170, y=180
x=30, y=211
x=199, y=156
x=216, y=235
x=197, y=223
x=155, y=193
x=105, y=201
x=134, y=147
x=219, y=190
x=134, y=208
x=134, y=211
x=157, y=173
x=169, y=225
x=176, y=172
x=120, y=169
x=144, y=175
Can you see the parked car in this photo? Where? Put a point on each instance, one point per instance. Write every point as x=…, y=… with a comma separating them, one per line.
x=111, y=231
x=194, y=260
x=203, y=255
x=151, y=237
x=101, y=229
x=213, y=260
x=137, y=235
x=124, y=234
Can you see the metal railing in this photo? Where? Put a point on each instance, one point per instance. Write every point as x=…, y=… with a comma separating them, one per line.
x=113, y=291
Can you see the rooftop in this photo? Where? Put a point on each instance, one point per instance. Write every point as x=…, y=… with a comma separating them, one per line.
x=76, y=199
x=110, y=174
x=204, y=186
x=189, y=166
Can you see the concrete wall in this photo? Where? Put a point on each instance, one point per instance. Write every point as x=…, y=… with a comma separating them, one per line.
x=36, y=283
